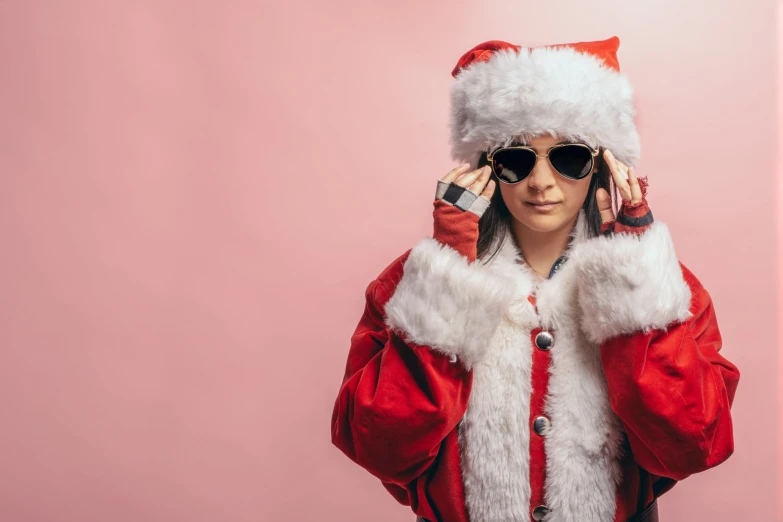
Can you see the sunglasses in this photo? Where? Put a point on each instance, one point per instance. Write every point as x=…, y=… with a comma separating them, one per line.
x=513, y=164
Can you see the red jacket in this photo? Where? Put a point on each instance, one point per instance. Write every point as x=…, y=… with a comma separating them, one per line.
x=475, y=393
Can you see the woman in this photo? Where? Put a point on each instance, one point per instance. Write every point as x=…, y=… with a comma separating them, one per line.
x=538, y=362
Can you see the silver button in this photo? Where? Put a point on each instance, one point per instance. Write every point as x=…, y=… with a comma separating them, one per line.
x=540, y=512
x=544, y=340
x=541, y=425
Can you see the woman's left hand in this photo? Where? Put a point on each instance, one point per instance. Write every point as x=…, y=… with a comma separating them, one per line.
x=634, y=215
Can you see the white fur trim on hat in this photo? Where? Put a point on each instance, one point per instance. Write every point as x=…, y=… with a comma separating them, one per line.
x=518, y=95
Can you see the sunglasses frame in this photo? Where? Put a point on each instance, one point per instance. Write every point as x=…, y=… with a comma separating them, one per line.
x=491, y=159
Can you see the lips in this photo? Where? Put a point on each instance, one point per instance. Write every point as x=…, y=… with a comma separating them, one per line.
x=542, y=202
x=543, y=207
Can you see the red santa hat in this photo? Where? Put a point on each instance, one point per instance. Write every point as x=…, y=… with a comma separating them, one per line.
x=505, y=93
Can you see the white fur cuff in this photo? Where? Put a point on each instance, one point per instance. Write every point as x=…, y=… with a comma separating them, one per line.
x=447, y=303
x=629, y=283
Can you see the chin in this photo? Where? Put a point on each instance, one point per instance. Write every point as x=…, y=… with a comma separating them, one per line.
x=543, y=225
x=543, y=222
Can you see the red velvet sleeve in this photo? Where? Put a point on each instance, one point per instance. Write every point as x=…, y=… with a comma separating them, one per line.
x=660, y=349
x=398, y=400
x=425, y=324
x=674, y=390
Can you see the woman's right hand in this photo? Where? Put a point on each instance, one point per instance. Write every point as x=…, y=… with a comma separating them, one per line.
x=461, y=199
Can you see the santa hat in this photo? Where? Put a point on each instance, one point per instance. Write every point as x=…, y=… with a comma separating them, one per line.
x=505, y=93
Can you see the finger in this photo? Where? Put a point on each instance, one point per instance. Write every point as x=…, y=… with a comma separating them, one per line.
x=636, y=190
x=468, y=178
x=604, y=202
x=455, y=172
x=478, y=186
x=619, y=175
x=489, y=190
x=621, y=167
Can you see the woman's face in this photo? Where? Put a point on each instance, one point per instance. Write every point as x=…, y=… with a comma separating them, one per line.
x=544, y=183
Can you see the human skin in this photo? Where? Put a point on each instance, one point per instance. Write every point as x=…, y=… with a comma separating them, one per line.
x=543, y=236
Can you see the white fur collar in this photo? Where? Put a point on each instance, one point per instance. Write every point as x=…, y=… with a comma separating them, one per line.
x=584, y=442
x=479, y=313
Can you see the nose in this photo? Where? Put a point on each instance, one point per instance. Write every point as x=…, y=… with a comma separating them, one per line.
x=543, y=175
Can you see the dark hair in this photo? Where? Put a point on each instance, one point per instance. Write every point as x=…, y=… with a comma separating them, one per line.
x=496, y=220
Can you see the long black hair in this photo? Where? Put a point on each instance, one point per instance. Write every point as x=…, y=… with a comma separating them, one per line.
x=496, y=220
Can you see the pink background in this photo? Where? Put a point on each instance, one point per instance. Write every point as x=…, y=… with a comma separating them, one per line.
x=194, y=196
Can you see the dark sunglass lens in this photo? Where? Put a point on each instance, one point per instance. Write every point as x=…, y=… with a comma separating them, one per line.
x=513, y=165
x=572, y=161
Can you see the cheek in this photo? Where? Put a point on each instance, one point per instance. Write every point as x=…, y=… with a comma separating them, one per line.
x=513, y=197
x=575, y=192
